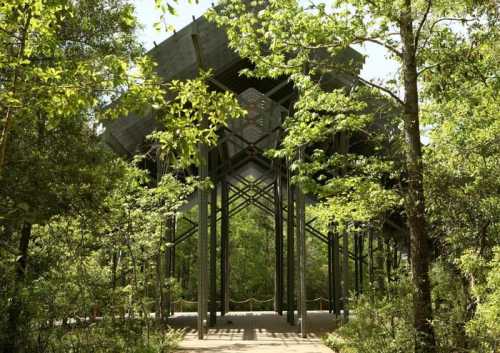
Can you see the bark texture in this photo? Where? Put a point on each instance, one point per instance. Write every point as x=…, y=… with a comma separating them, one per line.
x=415, y=208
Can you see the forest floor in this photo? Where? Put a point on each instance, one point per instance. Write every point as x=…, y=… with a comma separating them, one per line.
x=249, y=332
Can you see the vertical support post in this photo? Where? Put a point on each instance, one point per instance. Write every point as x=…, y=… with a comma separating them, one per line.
x=330, y=272
x=356, y=262
x=379, y=261
x=161, y=296
x=202, y=243
x=278, y=212
x=361, y=246
x=172, y=263
x=336, y=274
x=370, y=255
x=301, y=223
x=169, y=234
x=224, y=263
x=213, y=254
x=345, y=275
x=290, y=242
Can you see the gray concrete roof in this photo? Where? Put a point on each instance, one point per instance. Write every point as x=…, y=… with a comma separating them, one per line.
x=177, y=59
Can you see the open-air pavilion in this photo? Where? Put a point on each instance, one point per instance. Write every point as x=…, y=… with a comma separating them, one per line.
x=243, y=175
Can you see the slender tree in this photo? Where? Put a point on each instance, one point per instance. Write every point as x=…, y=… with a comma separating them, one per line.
x=306, y=42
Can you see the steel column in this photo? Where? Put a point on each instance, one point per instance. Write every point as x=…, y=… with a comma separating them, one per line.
x=224, y=263
x=336, y=274
x=202, y=243
x=301, y=223
x=290, y=232
x=172, y=260
x=278, y=212
x=169, y=233
x=213, y=255
x=370, y=255
x=345, y=275
x=356, y=262
x=361, y=246
x=330, y=273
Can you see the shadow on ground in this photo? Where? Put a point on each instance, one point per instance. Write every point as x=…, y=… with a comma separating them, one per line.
x=254, y=332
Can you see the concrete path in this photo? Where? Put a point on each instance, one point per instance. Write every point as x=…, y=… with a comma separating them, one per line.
x=259, y=332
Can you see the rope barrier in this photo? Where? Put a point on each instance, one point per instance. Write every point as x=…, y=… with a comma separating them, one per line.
x=250, y=301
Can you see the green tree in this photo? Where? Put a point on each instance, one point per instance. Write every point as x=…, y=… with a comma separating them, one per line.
x=60, y=59
x=285, y=38
x=67, y=68
x=462, y=172
x=61, y=64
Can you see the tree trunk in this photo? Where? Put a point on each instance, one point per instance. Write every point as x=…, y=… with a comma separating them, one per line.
x=415, y=206
x=13, y=341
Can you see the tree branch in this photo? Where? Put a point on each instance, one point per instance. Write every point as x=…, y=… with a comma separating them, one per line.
x=376, y=41
x=443, y=19
x=381, y=88
x=421, y=25
x=427, y=68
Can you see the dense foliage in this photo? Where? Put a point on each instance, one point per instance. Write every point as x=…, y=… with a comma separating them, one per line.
x=72, y=215
x=446, y=191
x=82, y=232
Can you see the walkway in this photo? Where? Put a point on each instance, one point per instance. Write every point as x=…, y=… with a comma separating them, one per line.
x=254, y=332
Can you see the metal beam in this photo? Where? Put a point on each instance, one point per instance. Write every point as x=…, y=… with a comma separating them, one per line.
x=361, y=247
x=370, y=256
x=213, y=255
x=202, y=243
x=277, y=87
x=356, y=262
x=336, y=274
x=345, y=275
x=224, y=263
x=330, y=272
x=172, y=257
x=278, y=213
x=169, y=270
x=301, y=222
x=290, y=231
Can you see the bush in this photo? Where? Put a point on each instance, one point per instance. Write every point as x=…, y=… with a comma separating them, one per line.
x=131, y=336
x=377, y=325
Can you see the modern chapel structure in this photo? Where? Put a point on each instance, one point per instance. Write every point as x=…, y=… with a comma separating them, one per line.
x=243, y=175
